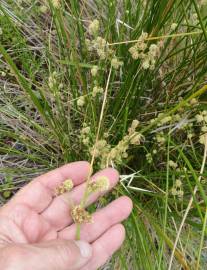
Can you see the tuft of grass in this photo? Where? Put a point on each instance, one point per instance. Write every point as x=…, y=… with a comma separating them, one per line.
x=45, y=67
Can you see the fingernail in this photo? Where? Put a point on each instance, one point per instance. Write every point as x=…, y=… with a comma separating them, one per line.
x=85, y=249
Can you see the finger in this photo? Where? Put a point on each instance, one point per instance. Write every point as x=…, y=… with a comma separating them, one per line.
x=105, y=246
x=39, y=193
x=112, y=214
x=63, y=255
x=57, y=214
x=53, y=255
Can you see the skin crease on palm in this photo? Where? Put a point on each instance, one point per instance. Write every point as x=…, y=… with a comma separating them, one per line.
x=37, y=232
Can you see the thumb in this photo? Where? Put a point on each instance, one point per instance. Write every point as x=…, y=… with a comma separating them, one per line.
x=59, y=255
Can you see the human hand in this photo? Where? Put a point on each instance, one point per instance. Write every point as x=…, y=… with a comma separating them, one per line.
x=37, y=232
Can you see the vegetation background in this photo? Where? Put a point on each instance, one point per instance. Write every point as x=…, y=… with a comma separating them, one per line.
x=47, y=99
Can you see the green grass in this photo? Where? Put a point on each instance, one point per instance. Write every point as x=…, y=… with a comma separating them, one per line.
x=40, y=125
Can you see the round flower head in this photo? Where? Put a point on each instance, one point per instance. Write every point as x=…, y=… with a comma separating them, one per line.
x=56, y=3
x=146, y=64
x=174, y=191
x=94, y=27
x=66, y=186
x=204, y=129
x=81, y=101
x=173, y=26
x=203, y=139
x=101, y=184
x=135, y=123
x=153, y=49
x=199, y=118
x=115, y=63
x=173, y=164
x=178, y=183
x=80, y=215
x=94, y=71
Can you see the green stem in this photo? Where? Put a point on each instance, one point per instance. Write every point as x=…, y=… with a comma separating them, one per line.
x=78, y=228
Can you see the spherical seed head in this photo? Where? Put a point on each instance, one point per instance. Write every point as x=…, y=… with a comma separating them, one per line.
x=135, y=123
x=100, y=185
x=64, y=187
x=80, y=215
x=115, y=63
x=199, y=118
x=193, y=101
x=178, y=183
x=80, y=101
x=204, y=129
x=146, y=64
x=135, y=55
x=174, y=191
x=203, y=139
x=56, y=3
x=173, y=164
x=180, y=193
x=85, y=130
x=94, y=27
x=68, y=184
x=153, y=48
x=103, y=183
x=173, y=26
x=94, y=71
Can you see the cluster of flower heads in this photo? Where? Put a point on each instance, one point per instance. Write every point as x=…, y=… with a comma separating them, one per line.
x=78, y=212
x=81, y=101
x=147, y=54
x=56, y=3
x=201, y=120
x=80, y=215
x=107, y=153
x=66, y=186
x=177, y=189
x=101, y=46
x=97, y=90
x=84, y=135
x=52, y=80
x=100, y=185
x=180, y=121
x=173, y=26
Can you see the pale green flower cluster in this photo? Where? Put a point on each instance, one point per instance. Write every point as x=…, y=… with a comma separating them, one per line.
x=84, y=135
x=147, y=55
x=101, y=47
x=106, y=154
x=56, y=3
x=66, y=186
x=177, y=189
x=100, y=185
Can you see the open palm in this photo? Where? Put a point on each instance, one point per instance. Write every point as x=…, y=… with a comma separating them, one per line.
x=34, y=225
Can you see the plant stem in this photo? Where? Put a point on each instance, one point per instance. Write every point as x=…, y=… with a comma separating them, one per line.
x=78, y=228
x=189, y=205
x=159, y=37
x=85, y=195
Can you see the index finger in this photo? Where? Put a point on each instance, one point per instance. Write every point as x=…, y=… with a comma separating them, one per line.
x=38, y=194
